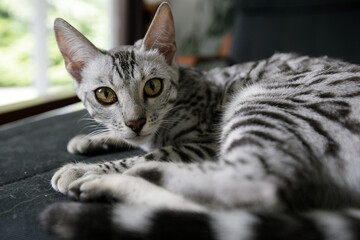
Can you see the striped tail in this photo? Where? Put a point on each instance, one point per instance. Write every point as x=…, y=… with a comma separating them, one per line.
x=72, y=220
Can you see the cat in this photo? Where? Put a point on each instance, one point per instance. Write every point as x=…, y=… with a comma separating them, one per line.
x=262, y=150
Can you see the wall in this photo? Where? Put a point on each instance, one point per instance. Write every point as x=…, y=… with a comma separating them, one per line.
x=200, y=25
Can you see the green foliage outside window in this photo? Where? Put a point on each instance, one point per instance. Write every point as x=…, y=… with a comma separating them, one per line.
x=17, y=40
x=15, y=43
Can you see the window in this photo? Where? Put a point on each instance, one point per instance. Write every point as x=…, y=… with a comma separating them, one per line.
x=31, y=65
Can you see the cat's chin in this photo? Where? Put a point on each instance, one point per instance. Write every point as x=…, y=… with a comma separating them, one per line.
x=138, y=140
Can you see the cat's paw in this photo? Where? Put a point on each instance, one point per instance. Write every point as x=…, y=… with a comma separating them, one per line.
x=93, y=144
x=125, y=189
x=111, y=187
x=71, y=172
x=84, y=144
x=99, y=188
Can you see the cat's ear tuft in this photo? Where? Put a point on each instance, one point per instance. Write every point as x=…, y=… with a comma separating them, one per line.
x=161, y=33
x=74, y=47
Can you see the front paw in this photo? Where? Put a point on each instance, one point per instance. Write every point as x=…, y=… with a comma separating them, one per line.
x=84, y=144
x=70, y=173
x=106, y=188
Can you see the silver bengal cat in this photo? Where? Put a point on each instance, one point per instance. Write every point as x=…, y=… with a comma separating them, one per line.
x=262, y=150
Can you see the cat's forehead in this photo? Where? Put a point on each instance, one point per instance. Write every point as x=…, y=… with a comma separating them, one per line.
x=124, y=62
x=130, y=61
x=139, y=55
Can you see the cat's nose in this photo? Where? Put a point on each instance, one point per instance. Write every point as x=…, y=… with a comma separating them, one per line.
x=136, y=125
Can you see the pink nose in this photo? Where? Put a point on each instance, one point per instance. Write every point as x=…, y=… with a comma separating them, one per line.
x=136, y=125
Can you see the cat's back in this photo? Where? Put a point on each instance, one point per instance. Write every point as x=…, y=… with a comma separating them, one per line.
x=283, y=67
x=312, y=103
x=302, y=81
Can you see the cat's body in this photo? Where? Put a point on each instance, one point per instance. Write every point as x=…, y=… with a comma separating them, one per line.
x=262, y=150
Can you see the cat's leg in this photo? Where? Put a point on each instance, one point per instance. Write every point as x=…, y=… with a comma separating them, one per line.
x=128, y=190
x=215, y=184
x=190, y=152
x=247, y=182
x=89, y=144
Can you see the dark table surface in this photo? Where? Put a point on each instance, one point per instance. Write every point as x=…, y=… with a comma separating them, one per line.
x=30, y=153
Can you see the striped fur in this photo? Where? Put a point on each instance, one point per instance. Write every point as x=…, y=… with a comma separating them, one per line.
x=157, y=224
x=262, y=150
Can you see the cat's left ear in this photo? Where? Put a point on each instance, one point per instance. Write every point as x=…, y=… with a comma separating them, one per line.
x=76, y=50
x=161, y=33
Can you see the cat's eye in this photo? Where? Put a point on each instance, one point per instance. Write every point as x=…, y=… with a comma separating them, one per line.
x=153, y=87
x=105, y=95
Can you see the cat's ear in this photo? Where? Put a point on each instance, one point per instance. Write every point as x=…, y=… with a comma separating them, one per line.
x=161, y=33
x=74, y=47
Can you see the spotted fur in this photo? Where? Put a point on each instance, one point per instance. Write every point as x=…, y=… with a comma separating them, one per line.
x=262, y=150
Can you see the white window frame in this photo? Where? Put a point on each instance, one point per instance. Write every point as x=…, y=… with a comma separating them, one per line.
x=40, y=53
x=41, y=81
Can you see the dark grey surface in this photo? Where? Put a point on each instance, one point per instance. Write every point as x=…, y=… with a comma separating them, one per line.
x=29, y=156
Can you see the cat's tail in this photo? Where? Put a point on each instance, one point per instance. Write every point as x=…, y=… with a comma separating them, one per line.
x=72, y=220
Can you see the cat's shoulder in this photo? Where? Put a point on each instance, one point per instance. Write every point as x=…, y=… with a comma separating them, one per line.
x=190, y=74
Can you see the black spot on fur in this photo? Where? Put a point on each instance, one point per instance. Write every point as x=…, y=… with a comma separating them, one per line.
x=290, y=85
x=326, y=95
x=350, y=95
x=123, y=164
x=226, y=74
x=195, y=150
x=336, y=111
x=242, y=142
x=183, y=156
x=249, y=122
x=250, y=178
x=180, y=225
x=355, y=79
x=151, y=175
x=319, y=80
x=264, y=136
x=332, y=146
x=354, y=223
x=210, y=152
x=243, y=161
x=78, y=220
x=277, y=104
x=276, y=116
x=285, y=227
x=149, y=157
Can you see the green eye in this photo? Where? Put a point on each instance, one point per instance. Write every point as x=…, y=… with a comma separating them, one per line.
x=105, y=95
x=153, y=87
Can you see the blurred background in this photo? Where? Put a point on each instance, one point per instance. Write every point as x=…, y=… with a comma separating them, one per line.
x=209, y=33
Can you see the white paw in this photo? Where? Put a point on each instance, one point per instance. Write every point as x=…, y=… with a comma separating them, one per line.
x=71, y=172
x=82, y=144
x=126, y=189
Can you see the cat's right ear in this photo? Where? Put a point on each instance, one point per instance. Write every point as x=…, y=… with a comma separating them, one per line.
x=74, y=47
x=161, y=33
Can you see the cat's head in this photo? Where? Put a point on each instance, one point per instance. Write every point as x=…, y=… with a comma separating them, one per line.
x=128, y=89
